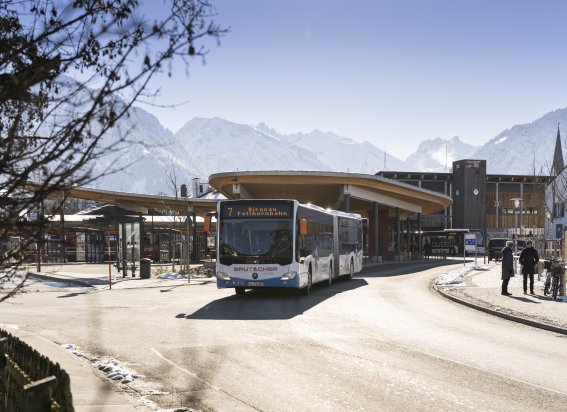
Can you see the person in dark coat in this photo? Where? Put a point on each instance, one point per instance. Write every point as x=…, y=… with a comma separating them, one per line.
x=507, y=267
x=528, y=259
x=427, y=250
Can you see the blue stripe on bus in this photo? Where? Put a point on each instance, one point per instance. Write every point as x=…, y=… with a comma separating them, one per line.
x=267, y=283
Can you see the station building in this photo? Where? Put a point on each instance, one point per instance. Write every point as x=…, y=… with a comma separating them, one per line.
x=506, y=206
x=498, y=205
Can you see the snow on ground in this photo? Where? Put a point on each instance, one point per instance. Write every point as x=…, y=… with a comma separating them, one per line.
x=14, y=281
x=455, y=277
x=23, y=281
x=177, y=276
x=113, y=368
x=116, y=371
x=171, y=276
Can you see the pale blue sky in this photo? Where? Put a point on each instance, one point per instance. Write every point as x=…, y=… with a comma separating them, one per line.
x=390, y=72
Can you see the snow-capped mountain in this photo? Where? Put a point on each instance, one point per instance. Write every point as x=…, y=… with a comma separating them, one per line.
x=227, y=146
x=525, y=149
x=437, y=155
x=217, y=145
x=342, y=154
x=151, y=160
x=206, y=146
x=136, y=155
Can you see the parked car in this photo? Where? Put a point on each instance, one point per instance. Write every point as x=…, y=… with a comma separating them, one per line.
x=495, y=246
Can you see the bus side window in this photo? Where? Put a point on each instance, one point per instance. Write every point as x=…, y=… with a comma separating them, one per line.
x=308, y=245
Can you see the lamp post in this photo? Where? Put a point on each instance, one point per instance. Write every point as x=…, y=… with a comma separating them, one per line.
x=517, y=201
x=496, y=207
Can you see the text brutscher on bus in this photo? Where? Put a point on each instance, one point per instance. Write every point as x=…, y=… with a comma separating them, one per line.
x=236, y=211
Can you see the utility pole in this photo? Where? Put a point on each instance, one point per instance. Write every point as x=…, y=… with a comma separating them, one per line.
x=190, y=211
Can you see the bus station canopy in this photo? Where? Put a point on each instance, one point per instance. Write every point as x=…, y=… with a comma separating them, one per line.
x=327, y=189
x=138, y=202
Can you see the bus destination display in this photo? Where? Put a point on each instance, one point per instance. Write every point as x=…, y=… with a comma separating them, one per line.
x=236, y=211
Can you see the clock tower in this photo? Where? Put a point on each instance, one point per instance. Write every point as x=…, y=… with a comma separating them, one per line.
x=469, y=194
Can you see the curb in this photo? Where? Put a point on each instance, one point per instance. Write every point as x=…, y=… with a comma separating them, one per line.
x=506, y=316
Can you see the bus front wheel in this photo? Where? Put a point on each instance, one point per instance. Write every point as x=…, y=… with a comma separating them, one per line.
x=240, y=291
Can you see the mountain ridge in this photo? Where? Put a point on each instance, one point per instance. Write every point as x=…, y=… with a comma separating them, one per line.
x=204, y=146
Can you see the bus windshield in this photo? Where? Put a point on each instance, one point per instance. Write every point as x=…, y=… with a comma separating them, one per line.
x=254, y=241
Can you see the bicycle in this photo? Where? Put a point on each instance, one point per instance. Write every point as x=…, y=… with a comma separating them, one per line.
x=553, y=269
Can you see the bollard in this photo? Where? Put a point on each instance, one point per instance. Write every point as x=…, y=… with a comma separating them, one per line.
x=562, y=283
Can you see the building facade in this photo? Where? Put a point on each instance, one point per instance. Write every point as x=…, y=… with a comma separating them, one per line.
x=556, y=206
x=498, y=205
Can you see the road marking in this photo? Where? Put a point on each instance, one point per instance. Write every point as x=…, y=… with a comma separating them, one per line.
x=194, y=375
x=188, y=372
x=535, y=385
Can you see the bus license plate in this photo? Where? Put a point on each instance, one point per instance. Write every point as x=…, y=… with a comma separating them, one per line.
x=255, y=283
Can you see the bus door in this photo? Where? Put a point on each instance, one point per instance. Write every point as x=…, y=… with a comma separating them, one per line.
x=323, y=255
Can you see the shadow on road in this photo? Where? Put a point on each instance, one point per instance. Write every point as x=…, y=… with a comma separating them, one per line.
x=74, y=294
x=264, y=304
x=403, y=268
x=524, y=299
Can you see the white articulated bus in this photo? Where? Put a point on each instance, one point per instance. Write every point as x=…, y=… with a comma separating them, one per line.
x=285, y=244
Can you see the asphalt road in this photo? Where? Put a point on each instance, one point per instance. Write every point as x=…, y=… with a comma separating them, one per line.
x=383, y=341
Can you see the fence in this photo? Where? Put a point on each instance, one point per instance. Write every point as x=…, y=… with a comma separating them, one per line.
x=29, y=381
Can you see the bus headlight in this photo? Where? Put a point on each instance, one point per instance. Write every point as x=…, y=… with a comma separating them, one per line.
x=222, y=276
x=288, y=276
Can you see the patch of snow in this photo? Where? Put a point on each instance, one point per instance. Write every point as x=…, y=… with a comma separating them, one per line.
x=14, y=281
x=171, y=276
x=114, y=369
x=501, y=140
x=456, y=276
x=177, y=276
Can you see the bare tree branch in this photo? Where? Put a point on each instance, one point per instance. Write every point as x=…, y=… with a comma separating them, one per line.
x=69, y=71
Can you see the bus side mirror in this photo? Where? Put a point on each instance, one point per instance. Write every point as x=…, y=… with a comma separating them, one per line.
x=207, y=224
x=303, y=227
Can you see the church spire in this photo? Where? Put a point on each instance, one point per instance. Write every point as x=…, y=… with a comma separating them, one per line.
x=558, y=163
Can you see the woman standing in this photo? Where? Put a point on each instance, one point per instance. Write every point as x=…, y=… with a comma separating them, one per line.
x=507, y=266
